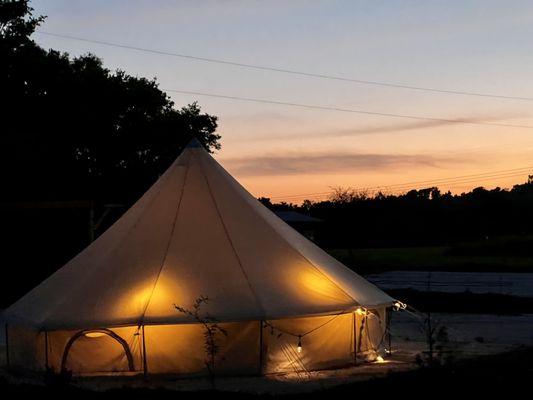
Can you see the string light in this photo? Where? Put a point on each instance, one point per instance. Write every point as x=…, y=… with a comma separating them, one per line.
x=360, y=311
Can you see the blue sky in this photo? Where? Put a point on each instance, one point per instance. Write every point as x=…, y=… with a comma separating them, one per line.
x=478, y=46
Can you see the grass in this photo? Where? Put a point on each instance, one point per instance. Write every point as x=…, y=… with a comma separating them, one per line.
x=444, y=258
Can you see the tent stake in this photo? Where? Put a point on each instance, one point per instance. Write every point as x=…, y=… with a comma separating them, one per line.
x=145, y=365
x=7, y=345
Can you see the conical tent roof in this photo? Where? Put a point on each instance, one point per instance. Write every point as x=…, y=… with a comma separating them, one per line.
x=195, y=232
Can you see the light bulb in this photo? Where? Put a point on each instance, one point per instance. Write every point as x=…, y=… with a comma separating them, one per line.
x=398, y=305
x=360, y=311
x=94, y=334
x=299, y=347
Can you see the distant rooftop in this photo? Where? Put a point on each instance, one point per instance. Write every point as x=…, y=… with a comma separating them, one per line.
x=294, y=216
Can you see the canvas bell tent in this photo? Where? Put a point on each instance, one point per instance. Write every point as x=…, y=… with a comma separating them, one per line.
x=284, y=303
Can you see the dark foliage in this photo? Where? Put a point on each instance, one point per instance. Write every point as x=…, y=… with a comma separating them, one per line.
x=73, y=129
x=421, y=217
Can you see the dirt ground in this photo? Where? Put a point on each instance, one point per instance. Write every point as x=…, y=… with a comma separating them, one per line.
x=503, y=374
x=271, y=384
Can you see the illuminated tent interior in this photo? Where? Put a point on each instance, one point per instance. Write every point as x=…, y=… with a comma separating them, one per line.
x=285, y=304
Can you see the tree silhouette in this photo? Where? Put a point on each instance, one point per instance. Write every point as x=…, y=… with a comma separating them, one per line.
x=353, y=219
x=73, y=129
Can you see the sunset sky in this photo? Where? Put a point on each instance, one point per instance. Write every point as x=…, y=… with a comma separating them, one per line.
x=292, y=153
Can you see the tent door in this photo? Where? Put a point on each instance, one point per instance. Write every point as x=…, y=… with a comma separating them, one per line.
x=100, y=350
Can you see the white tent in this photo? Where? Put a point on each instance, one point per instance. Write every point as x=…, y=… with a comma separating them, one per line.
x=197, y=232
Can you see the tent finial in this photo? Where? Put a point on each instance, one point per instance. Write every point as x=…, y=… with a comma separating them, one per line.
x=194, y=144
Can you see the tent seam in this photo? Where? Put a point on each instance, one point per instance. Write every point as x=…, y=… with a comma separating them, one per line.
x=119, y=245
x=241, y=266
x=301, y=254
x=308, y=261
x=178, y=208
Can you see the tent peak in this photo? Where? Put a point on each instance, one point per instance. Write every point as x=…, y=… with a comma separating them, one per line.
x=194, y=144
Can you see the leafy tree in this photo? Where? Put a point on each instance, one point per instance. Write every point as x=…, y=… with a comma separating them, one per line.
x=74, y=129
x=16, y=24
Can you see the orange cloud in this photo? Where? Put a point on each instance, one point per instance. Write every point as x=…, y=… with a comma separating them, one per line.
x=329, y=163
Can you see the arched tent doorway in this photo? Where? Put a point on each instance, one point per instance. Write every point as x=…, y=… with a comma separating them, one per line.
x=99, y=350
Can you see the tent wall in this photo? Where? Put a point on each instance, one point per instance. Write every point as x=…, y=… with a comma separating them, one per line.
x=179, y=349
x=26, y=348
x=251, y=347
x=331, y=345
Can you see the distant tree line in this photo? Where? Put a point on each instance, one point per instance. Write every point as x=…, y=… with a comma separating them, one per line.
x=352, y=219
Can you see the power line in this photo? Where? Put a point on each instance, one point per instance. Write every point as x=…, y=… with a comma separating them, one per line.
x=401, y=190
x=439, y=180
x=287, y=71
x=328, y=108
x=348, y=110
x=442, y=181
x=457, y=182
x=291, y=104
x=375, y=189
x=448, y=185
